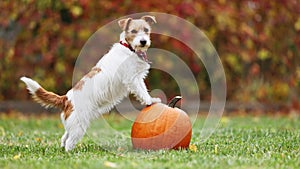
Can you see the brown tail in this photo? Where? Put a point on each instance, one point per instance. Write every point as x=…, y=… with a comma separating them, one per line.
x=49, y=99
x=42, y=96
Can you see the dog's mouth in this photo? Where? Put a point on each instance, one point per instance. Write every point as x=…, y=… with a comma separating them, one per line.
x=142, y=55
x=140, y=52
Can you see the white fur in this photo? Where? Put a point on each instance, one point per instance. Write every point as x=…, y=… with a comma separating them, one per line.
x=121, y=72
x=122, y=36
x=32, y=85
x=141, y=36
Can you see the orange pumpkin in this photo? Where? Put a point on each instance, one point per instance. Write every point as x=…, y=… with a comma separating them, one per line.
x=161, y=126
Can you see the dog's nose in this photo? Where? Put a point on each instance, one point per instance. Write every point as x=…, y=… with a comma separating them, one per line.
x=143, y=42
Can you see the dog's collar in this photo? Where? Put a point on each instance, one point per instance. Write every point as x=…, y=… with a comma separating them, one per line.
x=140, y=54
x=127, y=46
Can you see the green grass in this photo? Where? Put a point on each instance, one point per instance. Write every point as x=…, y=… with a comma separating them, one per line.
x=239, y=142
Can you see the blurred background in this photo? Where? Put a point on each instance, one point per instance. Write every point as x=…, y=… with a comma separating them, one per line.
x=258, y=42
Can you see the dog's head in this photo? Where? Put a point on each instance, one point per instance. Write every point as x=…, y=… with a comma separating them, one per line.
x=137, y=31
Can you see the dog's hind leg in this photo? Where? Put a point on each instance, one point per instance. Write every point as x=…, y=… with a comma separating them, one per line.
x=75, y=130
x=65, y=136
x=64, y=139
x=74, y=136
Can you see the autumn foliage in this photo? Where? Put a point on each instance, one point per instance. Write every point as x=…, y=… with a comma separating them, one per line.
x=257, y=41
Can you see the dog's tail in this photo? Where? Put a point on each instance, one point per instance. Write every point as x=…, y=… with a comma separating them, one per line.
x=42, y=96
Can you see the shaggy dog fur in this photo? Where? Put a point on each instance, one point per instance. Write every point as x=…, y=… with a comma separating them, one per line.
x=119, y=72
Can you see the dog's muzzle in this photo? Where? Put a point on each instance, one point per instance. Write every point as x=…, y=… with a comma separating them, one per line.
x=143, y=43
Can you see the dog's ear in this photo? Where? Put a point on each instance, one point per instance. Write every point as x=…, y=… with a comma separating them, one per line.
x=150, y=19
x=124, y=23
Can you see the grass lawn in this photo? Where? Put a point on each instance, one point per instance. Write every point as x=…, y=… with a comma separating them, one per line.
x=239, y=142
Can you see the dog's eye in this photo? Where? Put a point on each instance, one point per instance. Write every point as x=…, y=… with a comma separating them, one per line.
x=134, y=31
x=146, y=30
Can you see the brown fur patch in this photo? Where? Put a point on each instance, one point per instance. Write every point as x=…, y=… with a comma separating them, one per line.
x=49, y=99
x=127, y=24
x=149, y=19
x=123, y=23
x=93, y=72
x=68, y=109
x=79, y=85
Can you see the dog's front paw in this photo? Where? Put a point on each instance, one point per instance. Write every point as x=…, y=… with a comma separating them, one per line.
x=146, y=102
x=151, y=101
x=155, y=100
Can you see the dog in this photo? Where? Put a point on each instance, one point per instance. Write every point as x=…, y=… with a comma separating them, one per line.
x=119, y=72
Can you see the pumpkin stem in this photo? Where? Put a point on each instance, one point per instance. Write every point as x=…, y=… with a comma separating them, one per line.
x=173, y=102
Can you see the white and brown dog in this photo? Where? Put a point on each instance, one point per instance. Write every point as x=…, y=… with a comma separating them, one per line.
x=119, y=72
